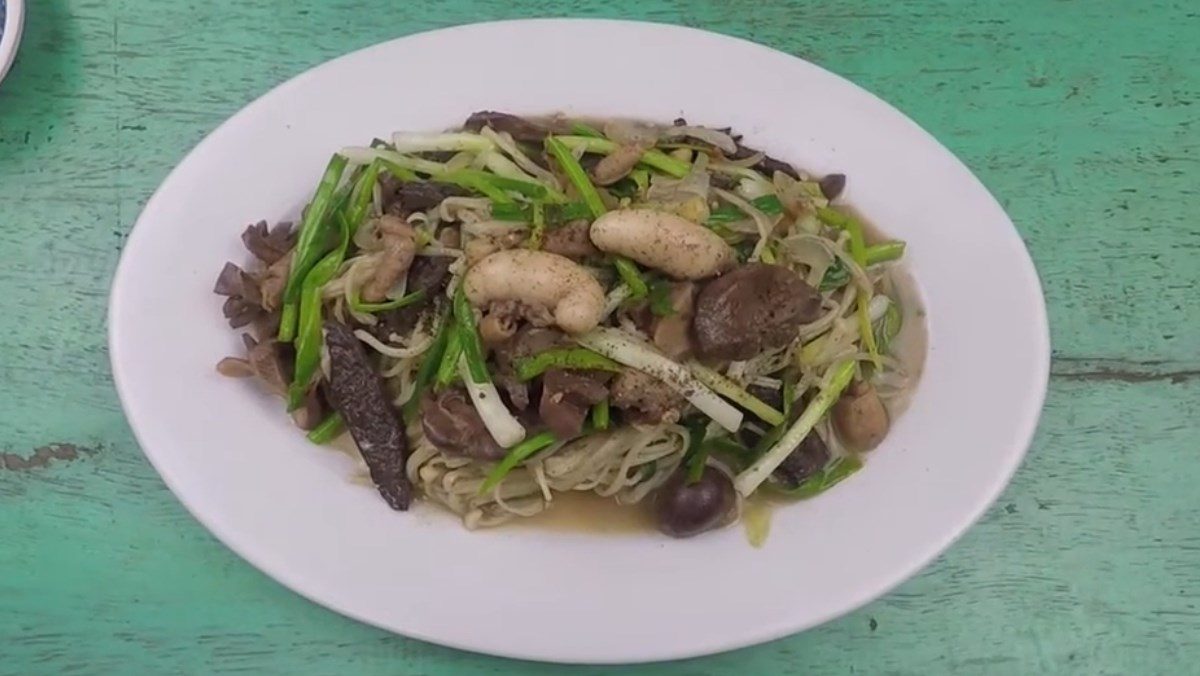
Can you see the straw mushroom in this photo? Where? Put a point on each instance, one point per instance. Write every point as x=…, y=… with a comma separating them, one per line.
x=860, y=418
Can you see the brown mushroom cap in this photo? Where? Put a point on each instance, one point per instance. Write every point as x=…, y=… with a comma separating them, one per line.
x=684, y=509
x=752, y=308
x=518, y=127
x=860, y=418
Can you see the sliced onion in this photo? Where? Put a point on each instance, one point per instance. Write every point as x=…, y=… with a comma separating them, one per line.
x=812, y=251
x=765, y=225
x=753, y=188
x=791, y=194
x=695, y=184
x=505, y=142
x=502, y=166
x=463, y=209
x=718, y=139
x=418, y=347
x=797, y=197
x=624, y=132
x=747, y=162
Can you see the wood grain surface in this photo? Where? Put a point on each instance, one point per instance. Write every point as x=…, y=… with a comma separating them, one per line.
x=1082, y=116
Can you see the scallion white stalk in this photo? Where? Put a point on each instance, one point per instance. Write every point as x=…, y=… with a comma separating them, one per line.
x=408, y=142
x=500, y=423
x=360, y=155
x=730, y=389
x=632, y=352
x=613, y=300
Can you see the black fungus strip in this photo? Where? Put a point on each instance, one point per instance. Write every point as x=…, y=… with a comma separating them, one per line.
x=428, y=274
x=518, y=127
x=767, y=165
x=402, y=198
x=356, y=391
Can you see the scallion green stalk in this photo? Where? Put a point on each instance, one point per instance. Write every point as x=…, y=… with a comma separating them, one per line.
x=516, y=455
x=448, y=366
x=475, y=178
x=651, y=158
x=883, y=253
x=429, y=368
x=836, y=381
x=537, y=230
x=530, y=367
x=310, y=244
x=827, y=478
x=328, y=430
x=357, y=305
x=858, y=252
x=576, y=175
x=632, y=277
x=583, y=129
x=728, y=213
x=393, y=160
x=468, y=334
x=601, y=415
x=402, y=173
x=360, y=196
x=697, y=453
x=309, y=336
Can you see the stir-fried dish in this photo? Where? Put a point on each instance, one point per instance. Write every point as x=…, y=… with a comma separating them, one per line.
x=523, y=307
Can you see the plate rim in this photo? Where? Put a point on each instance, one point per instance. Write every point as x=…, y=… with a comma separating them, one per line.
x=10, y=35
x=1030, y=413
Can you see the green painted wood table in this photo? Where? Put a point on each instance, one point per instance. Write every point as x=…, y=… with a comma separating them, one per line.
x=1082, y=116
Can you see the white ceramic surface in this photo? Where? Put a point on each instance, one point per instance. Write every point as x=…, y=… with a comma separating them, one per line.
x=10, y=36
x=233, y=458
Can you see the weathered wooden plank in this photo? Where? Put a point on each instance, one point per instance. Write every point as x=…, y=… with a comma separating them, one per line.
x=1086, y=565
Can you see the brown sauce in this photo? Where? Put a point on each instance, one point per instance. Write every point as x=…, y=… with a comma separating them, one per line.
x=586, y=512
x=910, y=345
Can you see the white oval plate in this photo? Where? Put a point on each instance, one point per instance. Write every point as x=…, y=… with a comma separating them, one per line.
x=233, y=458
